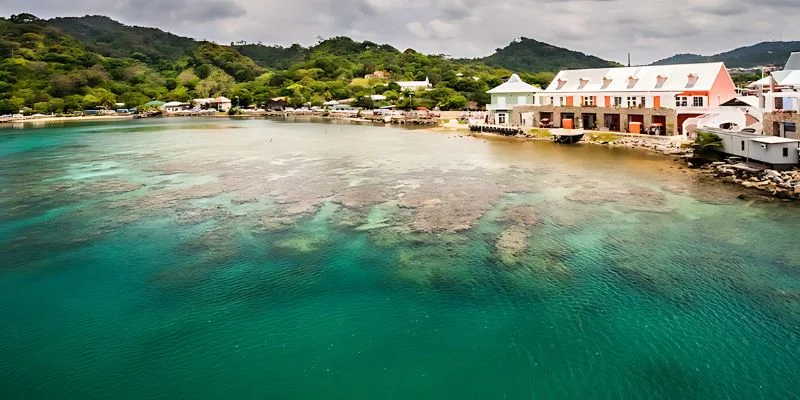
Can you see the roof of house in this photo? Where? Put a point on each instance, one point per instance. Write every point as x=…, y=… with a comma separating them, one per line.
x=741, y=101
x=174, y=104
x=793, y=63
x=773, y=140
x=653, y=78
x=514, y=85
x=222, y=99
x=426, y=82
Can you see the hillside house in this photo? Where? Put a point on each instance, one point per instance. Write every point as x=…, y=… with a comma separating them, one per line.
x=411, y=86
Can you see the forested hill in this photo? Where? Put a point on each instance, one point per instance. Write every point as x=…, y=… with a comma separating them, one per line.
x=533, y=56
x=113, y=39
x=760, y=54
x=68, y=64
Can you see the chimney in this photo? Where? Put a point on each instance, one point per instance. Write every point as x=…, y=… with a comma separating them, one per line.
x=629, y=59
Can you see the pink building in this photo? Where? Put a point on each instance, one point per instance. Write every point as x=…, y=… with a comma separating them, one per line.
x=651, y=99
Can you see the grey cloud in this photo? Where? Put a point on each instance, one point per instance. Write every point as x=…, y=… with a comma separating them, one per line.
x=180, y=10
x=650, y=29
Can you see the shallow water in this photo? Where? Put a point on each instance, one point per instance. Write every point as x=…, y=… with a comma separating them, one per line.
x=251, y=259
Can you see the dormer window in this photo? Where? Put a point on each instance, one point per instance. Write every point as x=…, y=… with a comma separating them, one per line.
x=632, y=81
x=660, y=81
x=606, y=82
x=582, y=83
x=561, y=83
x=692, y=81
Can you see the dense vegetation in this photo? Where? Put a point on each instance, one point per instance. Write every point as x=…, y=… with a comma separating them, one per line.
x=764, y=53
x=531, y=55
x=69, y=64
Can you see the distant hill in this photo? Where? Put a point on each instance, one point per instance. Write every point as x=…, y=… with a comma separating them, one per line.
x=529, y=55
x=744, y=57
x=113, y=39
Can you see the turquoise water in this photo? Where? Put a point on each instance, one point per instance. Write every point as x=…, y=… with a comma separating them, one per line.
x=250, y=259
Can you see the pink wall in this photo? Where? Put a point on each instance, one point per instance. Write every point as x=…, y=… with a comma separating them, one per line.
x=722, y=90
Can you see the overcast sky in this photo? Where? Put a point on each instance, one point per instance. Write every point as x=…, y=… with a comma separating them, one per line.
x=649, y=29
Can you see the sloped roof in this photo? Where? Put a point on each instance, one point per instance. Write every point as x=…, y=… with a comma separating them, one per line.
x=780, y=78
x=653, y=78
x=514, y=85
x=793, y=63
x=741, y=101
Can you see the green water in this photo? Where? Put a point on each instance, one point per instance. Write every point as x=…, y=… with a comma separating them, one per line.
x=207, y=259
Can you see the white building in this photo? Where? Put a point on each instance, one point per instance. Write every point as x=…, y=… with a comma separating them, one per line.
x=505, y=97
x=645, y=99
x=414, y=85
x=218, y=103
x=175, y=106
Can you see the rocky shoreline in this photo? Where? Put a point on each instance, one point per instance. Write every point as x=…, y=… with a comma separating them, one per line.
x=781, y=184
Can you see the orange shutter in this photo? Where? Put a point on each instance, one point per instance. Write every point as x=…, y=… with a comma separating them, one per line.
x=656, y=101
x=608, y=101
x=569, y=101
x=594, y=100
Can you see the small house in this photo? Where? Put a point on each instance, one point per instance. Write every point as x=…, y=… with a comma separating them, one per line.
x=778, y=152
x=513, y=92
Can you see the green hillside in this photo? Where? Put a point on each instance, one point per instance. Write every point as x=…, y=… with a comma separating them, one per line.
x=530, y=55
x=760, y=54
x=113, y=39
x=70, y=64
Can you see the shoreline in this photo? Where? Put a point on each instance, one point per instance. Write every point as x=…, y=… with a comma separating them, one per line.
x=778, y=185
x=49, y=120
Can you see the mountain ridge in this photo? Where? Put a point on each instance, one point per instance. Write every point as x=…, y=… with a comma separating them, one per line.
x=759, y=54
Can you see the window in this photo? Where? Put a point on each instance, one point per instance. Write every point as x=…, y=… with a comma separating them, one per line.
x=786, y=152
x=691, y=81
x=789, y=127
x=501, y=118
x=588, y=101
x=681, y=101
x=742, y=145
x=632, y=102
x=562, y=101
x=617, y=101
x=698, y=101
x=660, y=80
x=644, y=102
x=522, y=99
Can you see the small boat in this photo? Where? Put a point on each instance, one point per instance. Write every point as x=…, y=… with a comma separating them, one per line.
x=567, y=136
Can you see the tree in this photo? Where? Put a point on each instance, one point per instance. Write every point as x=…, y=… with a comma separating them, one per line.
x=24, y=18
x=203, y=71
x=171, y=84
x=364, y=102
x=707, y=145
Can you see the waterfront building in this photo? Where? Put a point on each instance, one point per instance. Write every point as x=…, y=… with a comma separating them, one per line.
x=218, y=103
x=658, y=99
x=513, y=92
x=175, y=106
x=777, y=152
